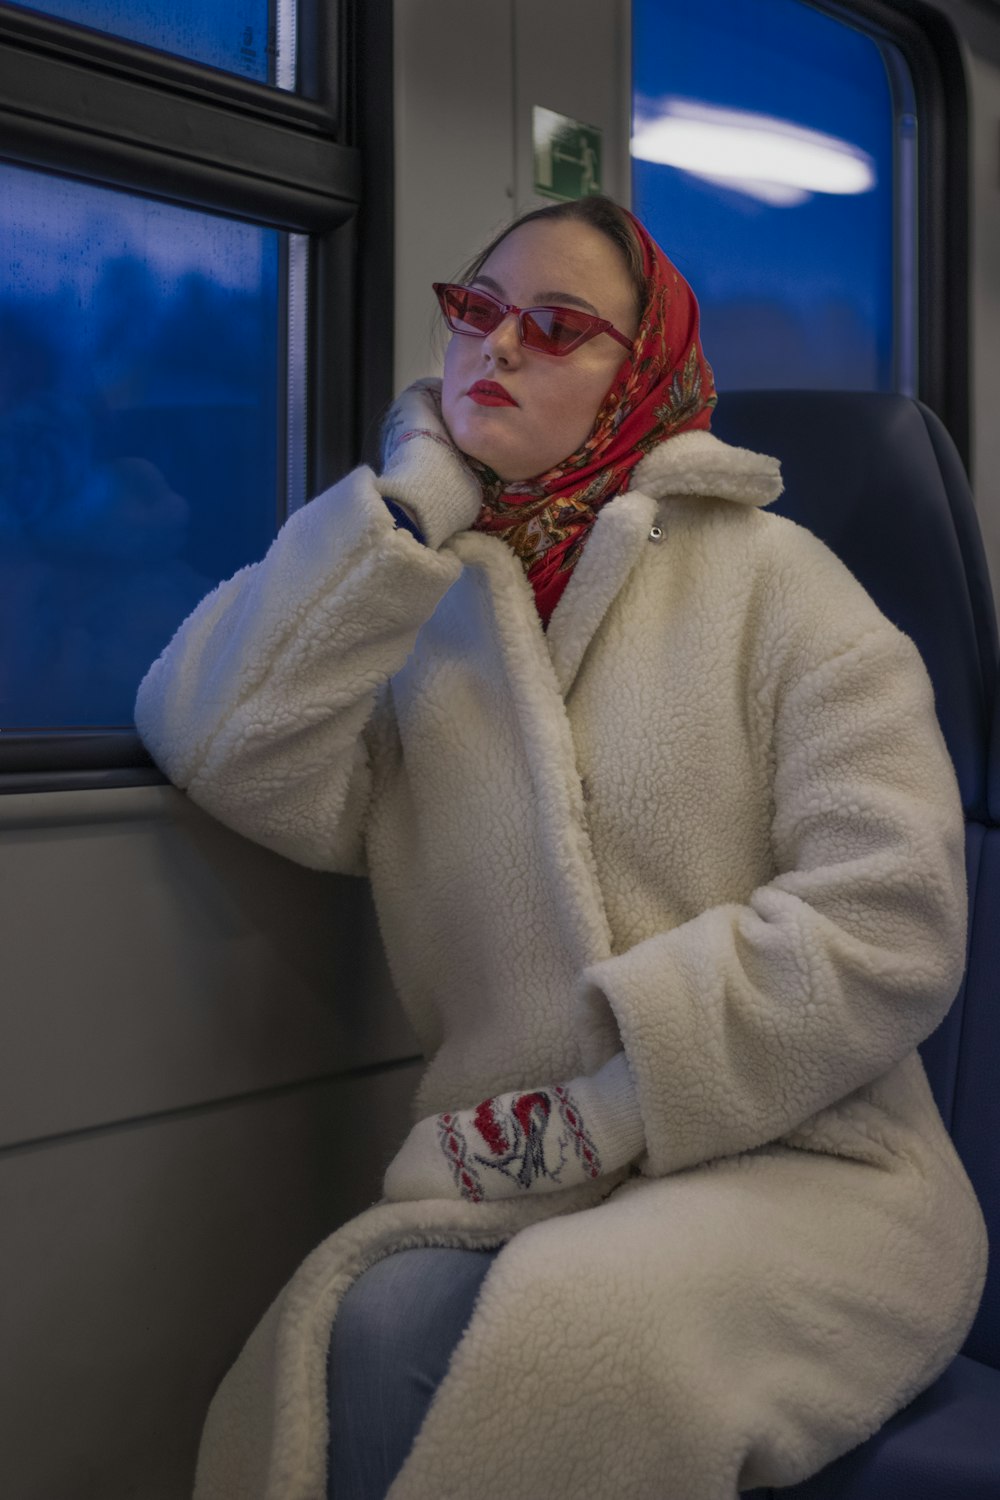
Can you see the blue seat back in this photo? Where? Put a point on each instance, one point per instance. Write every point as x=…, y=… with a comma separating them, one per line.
x=878, y=479
x=975, y=1125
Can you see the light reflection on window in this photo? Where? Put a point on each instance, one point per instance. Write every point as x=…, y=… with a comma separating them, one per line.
x=762, y=146
x=760, y=155
x=139, y=390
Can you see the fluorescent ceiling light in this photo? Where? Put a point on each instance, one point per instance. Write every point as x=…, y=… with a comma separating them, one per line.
x=759, y=155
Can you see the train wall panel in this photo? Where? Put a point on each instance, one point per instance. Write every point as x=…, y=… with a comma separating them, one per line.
x=454, y=155
x=154, y=959
x=136, y=1262
x=573, y=56
x=466, y=80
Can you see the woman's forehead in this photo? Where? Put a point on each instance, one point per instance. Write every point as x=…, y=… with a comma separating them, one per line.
x=563, y=260
x=543, y=295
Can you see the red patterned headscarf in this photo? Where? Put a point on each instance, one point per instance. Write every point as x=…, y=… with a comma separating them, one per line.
x=663, y=388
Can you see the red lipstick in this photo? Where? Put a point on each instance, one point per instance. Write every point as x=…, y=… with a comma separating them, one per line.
x=489, y=393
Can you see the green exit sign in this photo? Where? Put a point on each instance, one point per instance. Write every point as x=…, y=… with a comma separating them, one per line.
x=567, y=155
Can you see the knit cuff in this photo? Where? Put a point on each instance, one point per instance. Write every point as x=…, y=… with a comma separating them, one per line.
x=425, y=474
x=423, y=470
x=609, y=1106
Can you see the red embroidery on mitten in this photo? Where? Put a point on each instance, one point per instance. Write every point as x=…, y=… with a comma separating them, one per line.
x=490, y=1128
x=583, y=1143
x=453, y=1144
x=525, y=1105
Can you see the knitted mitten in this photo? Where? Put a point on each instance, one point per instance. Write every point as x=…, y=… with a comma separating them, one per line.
x=531, y=1140
x=422, y=470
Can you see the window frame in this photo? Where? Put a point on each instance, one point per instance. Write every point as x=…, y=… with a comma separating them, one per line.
x=97, y=108
x=930, y=47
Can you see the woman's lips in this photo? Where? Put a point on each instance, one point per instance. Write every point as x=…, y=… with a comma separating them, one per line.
x=489, y=393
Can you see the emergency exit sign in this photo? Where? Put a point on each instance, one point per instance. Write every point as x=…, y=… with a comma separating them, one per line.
x=567, y=155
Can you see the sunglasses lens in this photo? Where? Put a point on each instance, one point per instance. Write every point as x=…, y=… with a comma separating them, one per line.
x=469, y=312
x=553, y=330
x=556, y=330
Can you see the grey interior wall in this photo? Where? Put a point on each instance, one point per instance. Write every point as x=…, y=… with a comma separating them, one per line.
x=454, y=154
x=203, y=1072
x=136, y=1260
x=466, y=79
x=573, y=56
x=153, y=960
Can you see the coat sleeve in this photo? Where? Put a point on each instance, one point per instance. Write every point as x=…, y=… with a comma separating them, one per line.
x=744, y=1022
x=259, y=705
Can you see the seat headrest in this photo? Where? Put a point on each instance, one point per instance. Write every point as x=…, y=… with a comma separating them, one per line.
x=878, y=478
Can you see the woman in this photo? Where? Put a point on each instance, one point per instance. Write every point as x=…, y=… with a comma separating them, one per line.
x=668, y=856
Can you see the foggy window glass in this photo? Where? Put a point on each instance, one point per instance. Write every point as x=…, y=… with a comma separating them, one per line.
x=762, y=143
x=139, y=398
x=251, y=37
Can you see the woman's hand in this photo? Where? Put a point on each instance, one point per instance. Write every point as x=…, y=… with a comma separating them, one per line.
x=531, y=1140
x=423, y=474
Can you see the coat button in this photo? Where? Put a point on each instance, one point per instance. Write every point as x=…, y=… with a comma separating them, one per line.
x=656, y=533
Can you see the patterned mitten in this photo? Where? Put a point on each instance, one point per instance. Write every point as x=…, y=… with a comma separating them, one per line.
x=531, y=1140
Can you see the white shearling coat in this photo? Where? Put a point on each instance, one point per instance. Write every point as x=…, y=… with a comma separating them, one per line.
x=708, y=816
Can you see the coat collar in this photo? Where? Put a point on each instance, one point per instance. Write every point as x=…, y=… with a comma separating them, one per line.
x=696, y=463
x=693, y=464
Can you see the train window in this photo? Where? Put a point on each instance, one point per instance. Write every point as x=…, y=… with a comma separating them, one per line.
x=255, y=38
x=178, y=308
x=774, y=155
x=139, y=405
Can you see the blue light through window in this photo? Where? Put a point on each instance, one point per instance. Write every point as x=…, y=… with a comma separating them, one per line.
x=240, y=36
x=139, y=391
x=763, y=142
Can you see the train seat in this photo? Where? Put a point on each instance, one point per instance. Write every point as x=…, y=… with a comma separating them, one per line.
x=943, y=1445
x=879, y=480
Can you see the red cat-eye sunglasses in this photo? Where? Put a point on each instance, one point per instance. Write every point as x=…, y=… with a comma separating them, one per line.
x=552, y=330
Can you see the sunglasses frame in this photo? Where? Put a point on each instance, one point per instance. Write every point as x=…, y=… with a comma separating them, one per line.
x=594, y=326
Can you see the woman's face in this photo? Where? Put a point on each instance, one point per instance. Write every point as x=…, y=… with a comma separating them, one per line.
x=557, y=397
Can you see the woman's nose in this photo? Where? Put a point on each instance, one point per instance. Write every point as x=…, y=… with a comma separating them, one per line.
x=503, y=343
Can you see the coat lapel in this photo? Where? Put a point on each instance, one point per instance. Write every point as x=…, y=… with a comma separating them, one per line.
x=620, y=533
x=537, y=701
x=692, y=464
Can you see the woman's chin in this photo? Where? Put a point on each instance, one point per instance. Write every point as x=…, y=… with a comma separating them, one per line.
x=512, y=468
x=511, y=462
x=504, y=471
x=471, y=435
x=487, y=453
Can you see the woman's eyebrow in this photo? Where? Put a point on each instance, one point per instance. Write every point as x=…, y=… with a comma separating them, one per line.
x=543, y=297
x=567, y=297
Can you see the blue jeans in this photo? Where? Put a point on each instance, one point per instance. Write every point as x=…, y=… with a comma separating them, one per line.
x=391, y=1342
